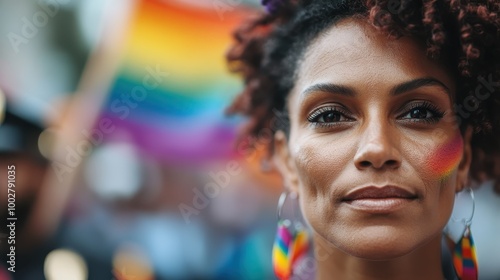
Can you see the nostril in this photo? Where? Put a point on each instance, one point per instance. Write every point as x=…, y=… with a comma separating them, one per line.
x=365, y=163
x=391, y=162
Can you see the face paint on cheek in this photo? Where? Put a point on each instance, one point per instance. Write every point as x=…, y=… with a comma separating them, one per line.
x=446, y=158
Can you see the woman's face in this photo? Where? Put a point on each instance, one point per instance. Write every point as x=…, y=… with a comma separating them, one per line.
x=374, y=150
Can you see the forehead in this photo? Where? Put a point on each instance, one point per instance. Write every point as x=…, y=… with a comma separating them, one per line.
x=354, y=52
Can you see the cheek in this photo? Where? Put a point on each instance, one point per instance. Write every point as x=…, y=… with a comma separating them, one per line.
x=318, y=163
x=445, y=158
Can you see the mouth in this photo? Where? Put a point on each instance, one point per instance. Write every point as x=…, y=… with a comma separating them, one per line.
x=379, y=199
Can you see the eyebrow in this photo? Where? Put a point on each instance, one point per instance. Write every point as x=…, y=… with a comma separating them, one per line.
x=417, y=83
x=396, y=90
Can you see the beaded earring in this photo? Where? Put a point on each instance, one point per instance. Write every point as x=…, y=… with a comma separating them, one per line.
x=291, y=242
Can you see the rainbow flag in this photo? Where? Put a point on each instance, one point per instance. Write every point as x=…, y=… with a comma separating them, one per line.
x=172, y=84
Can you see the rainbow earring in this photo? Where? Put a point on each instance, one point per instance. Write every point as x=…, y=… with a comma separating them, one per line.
x=464, y=251
x=291, y=243
x=464, y=257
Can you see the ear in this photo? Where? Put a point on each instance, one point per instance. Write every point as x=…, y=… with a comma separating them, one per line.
x=464, y=166
x=284, y=162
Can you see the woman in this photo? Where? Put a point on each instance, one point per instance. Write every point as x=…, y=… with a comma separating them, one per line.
x=378, y=109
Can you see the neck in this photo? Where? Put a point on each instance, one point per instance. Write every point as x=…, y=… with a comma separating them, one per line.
x=422, y=263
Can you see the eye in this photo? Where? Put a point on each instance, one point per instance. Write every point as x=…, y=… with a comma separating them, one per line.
x=423, y=112
x=420, y=113
x=329, y=115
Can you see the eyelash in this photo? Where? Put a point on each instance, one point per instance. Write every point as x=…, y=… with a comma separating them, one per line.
x=434, y=110
x=313, y=118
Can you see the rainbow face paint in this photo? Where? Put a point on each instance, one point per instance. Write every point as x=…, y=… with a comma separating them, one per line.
x=446, y=157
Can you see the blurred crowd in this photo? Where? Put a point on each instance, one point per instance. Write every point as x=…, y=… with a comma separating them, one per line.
x=100, y=195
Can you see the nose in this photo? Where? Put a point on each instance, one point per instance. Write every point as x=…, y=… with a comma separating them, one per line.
x=378, y=148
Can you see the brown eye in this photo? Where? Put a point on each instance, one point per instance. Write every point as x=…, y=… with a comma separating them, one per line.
x=425, y=112
x=327, y=115
x=419, y=113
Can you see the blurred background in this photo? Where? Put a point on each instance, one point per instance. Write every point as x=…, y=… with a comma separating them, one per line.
x=125, y=163
x=126, y=166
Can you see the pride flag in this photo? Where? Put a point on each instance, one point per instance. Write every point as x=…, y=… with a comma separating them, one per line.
x=172, y=83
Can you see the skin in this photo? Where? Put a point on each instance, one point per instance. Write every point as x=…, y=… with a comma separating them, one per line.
x=374, y=141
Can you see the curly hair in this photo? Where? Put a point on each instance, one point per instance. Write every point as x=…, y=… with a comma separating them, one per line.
x=463, y=34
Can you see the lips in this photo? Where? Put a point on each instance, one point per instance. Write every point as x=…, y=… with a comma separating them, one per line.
x=372, y=192
x=379, y=200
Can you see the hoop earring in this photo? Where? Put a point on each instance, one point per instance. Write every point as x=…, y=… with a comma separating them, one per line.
x=464, y=251
x=291, y=242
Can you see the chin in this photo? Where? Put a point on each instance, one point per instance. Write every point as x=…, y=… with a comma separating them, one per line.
x=378, y=243
x=380, y=252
